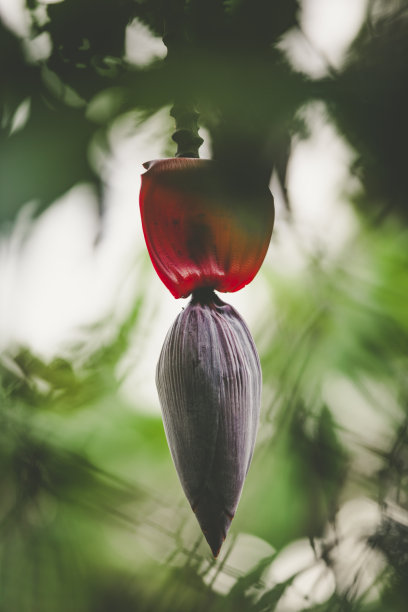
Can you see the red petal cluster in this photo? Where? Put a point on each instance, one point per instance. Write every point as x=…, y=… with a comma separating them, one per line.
x=201, y=229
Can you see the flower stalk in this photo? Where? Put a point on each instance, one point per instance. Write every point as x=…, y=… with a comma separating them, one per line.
x=186, y=135
x=206, y=229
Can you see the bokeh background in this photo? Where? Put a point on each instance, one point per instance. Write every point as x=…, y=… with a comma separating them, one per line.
x=314, y=95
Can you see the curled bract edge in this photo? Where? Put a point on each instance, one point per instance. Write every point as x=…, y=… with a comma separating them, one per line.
x=209, y=384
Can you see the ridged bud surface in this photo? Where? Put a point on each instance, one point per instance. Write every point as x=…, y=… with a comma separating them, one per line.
x=209, y=384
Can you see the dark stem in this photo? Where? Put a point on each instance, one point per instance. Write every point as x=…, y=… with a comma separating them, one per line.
x=186, y=135
x=204, y=295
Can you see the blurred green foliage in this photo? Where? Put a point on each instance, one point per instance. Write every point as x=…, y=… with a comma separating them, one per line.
x=91, y=514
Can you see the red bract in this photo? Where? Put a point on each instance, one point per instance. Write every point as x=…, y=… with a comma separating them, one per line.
x=201, y=228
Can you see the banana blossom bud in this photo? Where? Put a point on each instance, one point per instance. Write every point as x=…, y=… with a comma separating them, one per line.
x=202, y=228
x=209, y=384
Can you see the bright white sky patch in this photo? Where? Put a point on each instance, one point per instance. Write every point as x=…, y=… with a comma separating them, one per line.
x=328, y=26
x=141, y=46
x=319, y=183
x=48, y=294
x=15, y=17
x=332, y=24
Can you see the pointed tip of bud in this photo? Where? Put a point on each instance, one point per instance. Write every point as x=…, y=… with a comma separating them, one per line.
x=213, y=519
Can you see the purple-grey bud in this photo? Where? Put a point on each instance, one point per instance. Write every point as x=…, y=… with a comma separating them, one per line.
x=209, y=383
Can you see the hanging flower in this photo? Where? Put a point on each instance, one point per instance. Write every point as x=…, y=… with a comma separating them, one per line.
x=209, y=384
x=201, y=228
